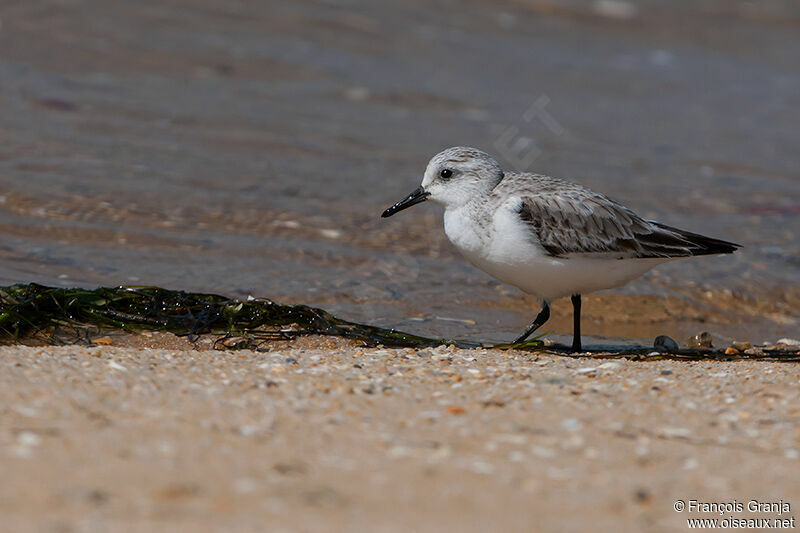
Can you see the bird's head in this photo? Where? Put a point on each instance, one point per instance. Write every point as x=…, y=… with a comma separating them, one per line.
x=454, y=177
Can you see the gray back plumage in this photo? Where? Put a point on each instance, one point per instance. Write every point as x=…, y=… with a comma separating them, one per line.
x=566, y=219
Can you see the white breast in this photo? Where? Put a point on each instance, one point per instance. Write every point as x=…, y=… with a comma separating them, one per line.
x=501, y=244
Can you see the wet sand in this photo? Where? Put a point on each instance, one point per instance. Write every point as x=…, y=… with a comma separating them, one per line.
x=322, y=435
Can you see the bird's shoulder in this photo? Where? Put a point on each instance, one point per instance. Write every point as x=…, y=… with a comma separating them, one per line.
x=527, y=183
x=545, y=196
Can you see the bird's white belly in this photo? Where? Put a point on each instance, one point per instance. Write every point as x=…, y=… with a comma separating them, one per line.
x=505, y=250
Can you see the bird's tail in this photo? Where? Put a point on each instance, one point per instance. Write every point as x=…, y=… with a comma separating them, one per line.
x=700, y=244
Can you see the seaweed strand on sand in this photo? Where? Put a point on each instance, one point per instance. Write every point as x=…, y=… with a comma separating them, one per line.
x=62, y=315
x=31, y=309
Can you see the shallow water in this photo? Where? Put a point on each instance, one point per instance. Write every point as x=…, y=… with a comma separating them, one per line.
x=243, y=149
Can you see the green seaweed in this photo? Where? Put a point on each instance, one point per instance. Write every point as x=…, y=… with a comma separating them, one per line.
x=31, y=309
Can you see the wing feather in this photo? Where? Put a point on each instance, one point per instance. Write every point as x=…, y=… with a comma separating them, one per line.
x=572, y=223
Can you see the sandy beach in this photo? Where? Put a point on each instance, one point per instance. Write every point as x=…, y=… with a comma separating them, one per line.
x=322, y=435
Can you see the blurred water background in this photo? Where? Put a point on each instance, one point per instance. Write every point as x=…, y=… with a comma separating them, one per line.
x=250, y=147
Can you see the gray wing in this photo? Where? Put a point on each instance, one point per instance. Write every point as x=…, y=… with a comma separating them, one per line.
x=584, y=222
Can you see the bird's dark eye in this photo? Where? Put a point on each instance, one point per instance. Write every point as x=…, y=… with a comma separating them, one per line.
x=446, y=173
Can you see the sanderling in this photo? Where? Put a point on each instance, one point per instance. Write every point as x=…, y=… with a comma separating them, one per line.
x=547, y=236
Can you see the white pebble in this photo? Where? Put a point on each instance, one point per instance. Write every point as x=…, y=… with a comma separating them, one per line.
x=247, y=431
x=516, y=456
x=617, y=9
x=28, y=438
x=30, y=412
x=291, y=224
x=675, y=433
x=399, y=451
x=116, y=366
x=330, y=233
x=544, y=453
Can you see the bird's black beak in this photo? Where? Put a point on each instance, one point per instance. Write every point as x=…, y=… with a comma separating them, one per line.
x=419, y=195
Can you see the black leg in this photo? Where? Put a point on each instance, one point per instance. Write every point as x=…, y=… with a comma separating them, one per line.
x=576, y=322
x=541, y=318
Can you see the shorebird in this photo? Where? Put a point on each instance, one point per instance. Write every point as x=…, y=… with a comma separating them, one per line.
x=547, y=236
